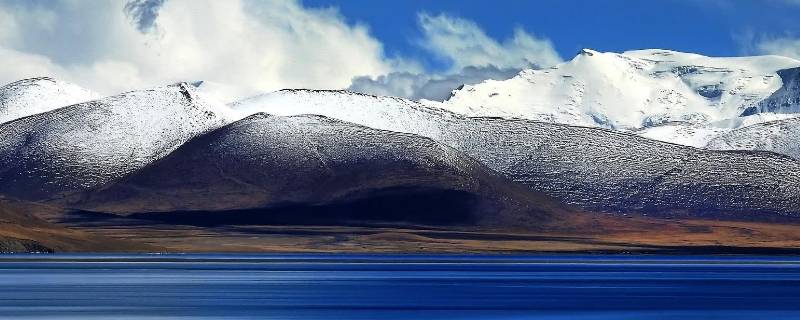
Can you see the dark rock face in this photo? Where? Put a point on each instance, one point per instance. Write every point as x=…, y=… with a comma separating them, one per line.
x=316, y=170
x=710, y=92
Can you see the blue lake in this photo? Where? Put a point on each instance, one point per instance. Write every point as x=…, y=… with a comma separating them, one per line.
x=398, y=287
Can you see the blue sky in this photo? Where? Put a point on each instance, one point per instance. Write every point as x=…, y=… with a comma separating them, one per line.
x=408, y=48
x=710, y=27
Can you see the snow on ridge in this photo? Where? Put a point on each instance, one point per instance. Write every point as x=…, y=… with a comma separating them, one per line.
x=768, y=63
x=379, y=112
x=37, y=95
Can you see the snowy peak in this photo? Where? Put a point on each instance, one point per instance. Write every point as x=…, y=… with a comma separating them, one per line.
x=630, y=90
x=36, y=95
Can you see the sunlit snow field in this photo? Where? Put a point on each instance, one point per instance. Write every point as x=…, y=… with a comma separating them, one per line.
x=397, y=287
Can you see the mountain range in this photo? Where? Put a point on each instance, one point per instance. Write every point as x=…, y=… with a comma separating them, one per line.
x=649, y=133
x=592, y=168
x=659, y=94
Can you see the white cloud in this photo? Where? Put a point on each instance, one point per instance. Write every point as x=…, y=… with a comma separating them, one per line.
x=473, y=57
x=783, y=46
x=243, y=47
x=464, y=44
x=254, y=46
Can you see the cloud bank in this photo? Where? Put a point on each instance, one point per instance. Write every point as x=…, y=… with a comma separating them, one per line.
x=472, y=56
x=243, y=47
x=110, y=46
x=464, y=44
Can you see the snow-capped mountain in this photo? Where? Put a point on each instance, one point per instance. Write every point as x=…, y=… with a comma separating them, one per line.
x=598, y=169
x=687, y=98
x=88, y=144
x=36, y=95
x=284, y=166
x=77, y=150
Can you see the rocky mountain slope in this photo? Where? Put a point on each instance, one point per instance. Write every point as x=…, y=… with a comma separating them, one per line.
x=317, y=170
x=36, y=95
x=597, y=169
x=86, y=145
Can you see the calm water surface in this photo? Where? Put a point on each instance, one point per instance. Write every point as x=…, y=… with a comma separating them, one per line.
x=397, y=287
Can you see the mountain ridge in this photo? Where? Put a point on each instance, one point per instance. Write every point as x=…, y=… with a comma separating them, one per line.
x=634, y=91
x=558, y=159
x=285, y=166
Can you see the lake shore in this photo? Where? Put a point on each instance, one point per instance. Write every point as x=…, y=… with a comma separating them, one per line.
x=25, y=227
x=668, y=237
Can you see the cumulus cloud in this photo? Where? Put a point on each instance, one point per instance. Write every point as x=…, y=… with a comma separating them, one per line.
x=252, y=46
x=244, y=47
x=472, y=55
x=418, y=86
x=463, y=43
